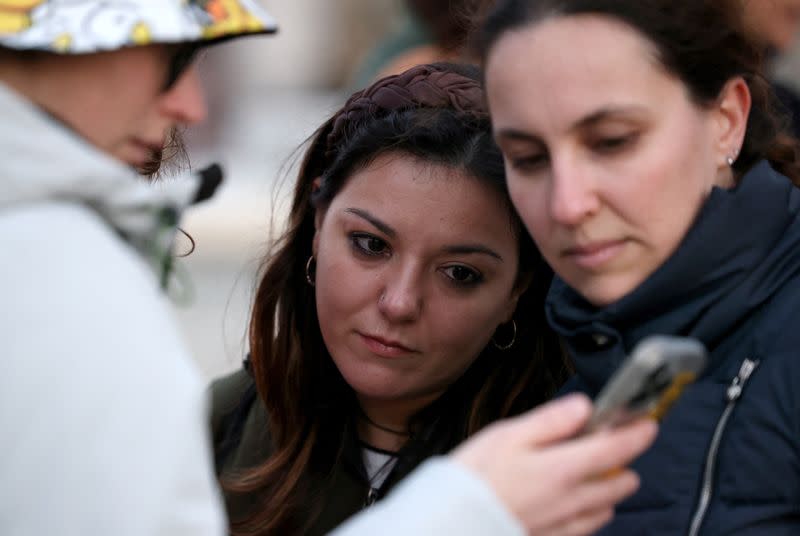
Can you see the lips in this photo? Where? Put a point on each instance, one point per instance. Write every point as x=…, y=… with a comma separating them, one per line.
x=385, y=347
x=595, y=254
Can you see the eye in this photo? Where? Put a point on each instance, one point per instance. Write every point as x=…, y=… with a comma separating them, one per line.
x=462, y=276
x=180, y=59
x=613, y=144
x=526, y=163
x=368, y=244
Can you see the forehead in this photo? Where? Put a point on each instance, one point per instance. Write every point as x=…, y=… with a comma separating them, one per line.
x=427, y=199
x=574, y=65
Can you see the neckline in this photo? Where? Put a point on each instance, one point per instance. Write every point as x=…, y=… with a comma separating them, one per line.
x=372, y=448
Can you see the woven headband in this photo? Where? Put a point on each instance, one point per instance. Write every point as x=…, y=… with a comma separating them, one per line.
x=424, y=86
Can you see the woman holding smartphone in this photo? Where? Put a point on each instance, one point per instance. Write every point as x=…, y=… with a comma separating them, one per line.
x=656, y=181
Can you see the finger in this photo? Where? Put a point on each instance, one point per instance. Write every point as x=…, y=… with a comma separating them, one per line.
x=602, y=494
x=582, y=525
x=589, y=496
x=605, y=450
x=554, y=421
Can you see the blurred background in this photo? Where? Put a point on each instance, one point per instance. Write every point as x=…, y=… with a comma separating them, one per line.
x=267, y=95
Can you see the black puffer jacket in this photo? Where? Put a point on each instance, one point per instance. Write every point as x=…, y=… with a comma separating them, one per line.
x=727, y=459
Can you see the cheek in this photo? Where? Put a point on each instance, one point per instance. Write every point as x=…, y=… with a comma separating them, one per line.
x=130, y=118
x=338, y=297
x=347, y=290
x=530, y=201
x=680, y=186
x=664, y=185
x=462, y=331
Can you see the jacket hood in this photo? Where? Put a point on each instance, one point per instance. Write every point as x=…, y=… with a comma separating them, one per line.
x=42, y=161
x=86, y=26
x=743, y=247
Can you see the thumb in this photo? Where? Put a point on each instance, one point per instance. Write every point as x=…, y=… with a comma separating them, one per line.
x=555, y=421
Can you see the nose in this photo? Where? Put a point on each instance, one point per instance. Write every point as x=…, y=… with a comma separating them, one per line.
x=573, y=196
x=401, y=295
x=185, y=103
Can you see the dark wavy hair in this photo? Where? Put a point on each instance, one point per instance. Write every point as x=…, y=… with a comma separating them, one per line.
x=435, y=113
x=701, y=42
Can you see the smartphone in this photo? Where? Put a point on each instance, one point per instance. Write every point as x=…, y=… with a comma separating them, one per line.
x=649, y=380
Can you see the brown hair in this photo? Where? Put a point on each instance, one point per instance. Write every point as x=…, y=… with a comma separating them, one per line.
x=701, y=42
x=435, y=113
x=172, y=159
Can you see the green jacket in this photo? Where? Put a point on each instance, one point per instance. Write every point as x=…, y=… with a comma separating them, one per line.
x=241, y=441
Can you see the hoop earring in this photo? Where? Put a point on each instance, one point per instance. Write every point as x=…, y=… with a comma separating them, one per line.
x=504, y=347
x=309, y=276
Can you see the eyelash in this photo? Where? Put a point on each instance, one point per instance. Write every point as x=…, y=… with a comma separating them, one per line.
x=359, y=243
x=527, y=163
x=475, y=277
x=604, y=146
x=356, y=241
x=614, y=144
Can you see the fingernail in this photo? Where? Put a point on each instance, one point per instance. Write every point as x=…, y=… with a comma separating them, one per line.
x=577, y=404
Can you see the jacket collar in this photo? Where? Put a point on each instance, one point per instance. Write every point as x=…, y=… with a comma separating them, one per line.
x=43, y=160
x=744, y=244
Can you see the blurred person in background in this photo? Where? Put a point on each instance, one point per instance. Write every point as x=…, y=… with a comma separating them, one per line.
x=401, y=313
x=773, y=25
x=102, y=411
x=431, y=31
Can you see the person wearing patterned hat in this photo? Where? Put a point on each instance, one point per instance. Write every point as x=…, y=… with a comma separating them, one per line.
x=102, y=411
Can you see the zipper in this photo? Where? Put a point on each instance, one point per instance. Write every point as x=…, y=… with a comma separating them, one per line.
x=372, y=496
x=732, y=395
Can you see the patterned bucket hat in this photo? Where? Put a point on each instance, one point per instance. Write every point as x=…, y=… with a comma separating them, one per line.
x=85, y=26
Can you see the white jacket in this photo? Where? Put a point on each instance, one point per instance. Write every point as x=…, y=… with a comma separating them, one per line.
x=102, y=414
x=439, y=498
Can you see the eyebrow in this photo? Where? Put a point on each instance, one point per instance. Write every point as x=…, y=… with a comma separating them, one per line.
x=469, y=249
x=607, y=113
x=590, y=120
x=456, y=249
x=385, y=228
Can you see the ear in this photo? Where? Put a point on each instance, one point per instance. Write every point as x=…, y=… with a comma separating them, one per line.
x=319, y=216
x=731, y=112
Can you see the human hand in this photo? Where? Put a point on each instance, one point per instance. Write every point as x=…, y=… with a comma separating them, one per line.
x=548, y=477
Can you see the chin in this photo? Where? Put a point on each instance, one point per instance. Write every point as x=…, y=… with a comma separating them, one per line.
x=603, y=291
x=373, y=382
x=378, y=391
